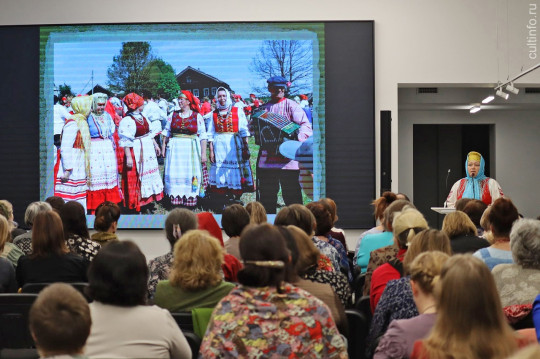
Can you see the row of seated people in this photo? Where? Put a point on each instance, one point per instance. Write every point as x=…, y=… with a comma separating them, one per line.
x=311, y=268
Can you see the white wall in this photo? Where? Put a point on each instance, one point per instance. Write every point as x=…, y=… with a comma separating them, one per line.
x=416, y=41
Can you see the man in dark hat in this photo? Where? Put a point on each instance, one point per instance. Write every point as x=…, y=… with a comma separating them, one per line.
x=274, y=169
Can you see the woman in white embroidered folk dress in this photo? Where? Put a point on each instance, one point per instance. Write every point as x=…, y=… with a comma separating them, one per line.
x=141, y=181
x=184, y=145
x=230, y=173
x=73, y=169
x=103, y=179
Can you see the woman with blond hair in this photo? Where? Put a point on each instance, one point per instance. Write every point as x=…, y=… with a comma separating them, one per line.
x=463, y=233
x=467, y=290
x=399, y=339
x=257, y=213
x=8, y=284
x=195, y=280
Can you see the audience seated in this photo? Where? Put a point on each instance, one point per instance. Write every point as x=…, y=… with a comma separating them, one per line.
x=51, y=260
x=307, y=266
x=501, y=216
x=231, y=265
x=257, y=213
x=76, y=231
x=461, y=203
x=11, y=252
x=6, y=210
x=323, y=226
x=399, y=339
x=467, y=290
x=60, y=322
x=380, y=205
x=484, y=223
x=24, y=241
x=397, y=300
x=55, y=202
x=195, y=280
x=271, y=318
x=320, y=290
x=233, y=220
x=178, y=222
x=336, y=233
x=405, y=226
x=8, y=284
x=536, y=316
x=106, y=223
x=475, y=209
x=375, y=241
x=122, y=325
x=519, y=283
x=463, y=233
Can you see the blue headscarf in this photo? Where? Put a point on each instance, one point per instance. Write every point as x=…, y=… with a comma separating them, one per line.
x=472, y=188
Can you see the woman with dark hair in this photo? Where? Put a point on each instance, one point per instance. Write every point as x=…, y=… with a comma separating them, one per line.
x=475, y=209
x=50, y=260
x=122, y=325
x=106, y=223
x=336, y=233
x=502, y=214
x=184, y=147
x=233, y=220
x=76, y=231
x=272, y=318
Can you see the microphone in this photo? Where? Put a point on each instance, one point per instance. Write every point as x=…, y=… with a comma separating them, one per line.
x=447, y=175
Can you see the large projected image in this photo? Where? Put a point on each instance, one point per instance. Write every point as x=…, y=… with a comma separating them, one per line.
x=158, y=116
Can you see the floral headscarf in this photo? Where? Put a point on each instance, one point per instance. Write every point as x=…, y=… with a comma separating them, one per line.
x=81, y=106
x=98, y=98
x=193, y=100
x=133, y=101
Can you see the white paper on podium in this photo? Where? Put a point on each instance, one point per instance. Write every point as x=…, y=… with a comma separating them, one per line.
x=443, y=210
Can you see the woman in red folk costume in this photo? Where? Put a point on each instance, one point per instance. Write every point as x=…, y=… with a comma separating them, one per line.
x=103, y=178
x=141, y=181
x=229, y=152
x=74, y=167
x=184, y=144
x=115, y=108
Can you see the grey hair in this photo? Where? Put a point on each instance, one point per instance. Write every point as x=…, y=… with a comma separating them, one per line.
x=33, y=209
x=186, y=219
x=525, y=243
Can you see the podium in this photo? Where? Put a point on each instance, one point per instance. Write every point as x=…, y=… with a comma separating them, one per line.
x=443, y=210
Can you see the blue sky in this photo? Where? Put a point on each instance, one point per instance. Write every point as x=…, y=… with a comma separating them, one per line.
x=225, y=59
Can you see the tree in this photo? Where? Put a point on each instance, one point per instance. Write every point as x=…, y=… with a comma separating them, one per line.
x=129, y=71
x=64, y=90
x=162, y=79
x=291, y=59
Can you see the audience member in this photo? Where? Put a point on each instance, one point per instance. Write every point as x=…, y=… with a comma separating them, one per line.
x=8, y=284
x=336, y=233
x=178, y=222
x=51, y=260
x=195, y=280
x=374, y=241
x=323, y=291
x=60, y=322
x=536, y=316
x=519, y=282
x=501, y=216
x=106, y=223
x=475, y=209
x=11, y=252
x=233, y=220
x=406, y=225
x=257, y=213
x=76, y=231
x=122, y=325
x=400, y=195
x=397, y=302
x=6, y=210
x=272, y=318
x=399, y=339
x=462, y=232
x=454, y=334
x=231, y=265
x=462, y=202
x=484, y=223
x=380, y=205
x=55, y=202
x=24, y=241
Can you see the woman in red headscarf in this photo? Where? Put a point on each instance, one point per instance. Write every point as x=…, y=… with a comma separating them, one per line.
x=184, y=146
x=141, y=180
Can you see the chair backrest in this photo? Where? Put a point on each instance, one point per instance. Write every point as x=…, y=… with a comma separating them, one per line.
x=38, y=287
x=363, y=305
x=194, y=343
x=184, y=320
x=201, y=318
x=14, y=309
x=358, y=331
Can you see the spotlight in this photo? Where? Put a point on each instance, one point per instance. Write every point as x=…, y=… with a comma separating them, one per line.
x=488, y=99
x=502, y=94
x=510, y=88
x=475, y=108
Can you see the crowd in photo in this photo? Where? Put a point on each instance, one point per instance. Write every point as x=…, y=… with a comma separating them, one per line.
x=149, y=155
x=287, y=289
